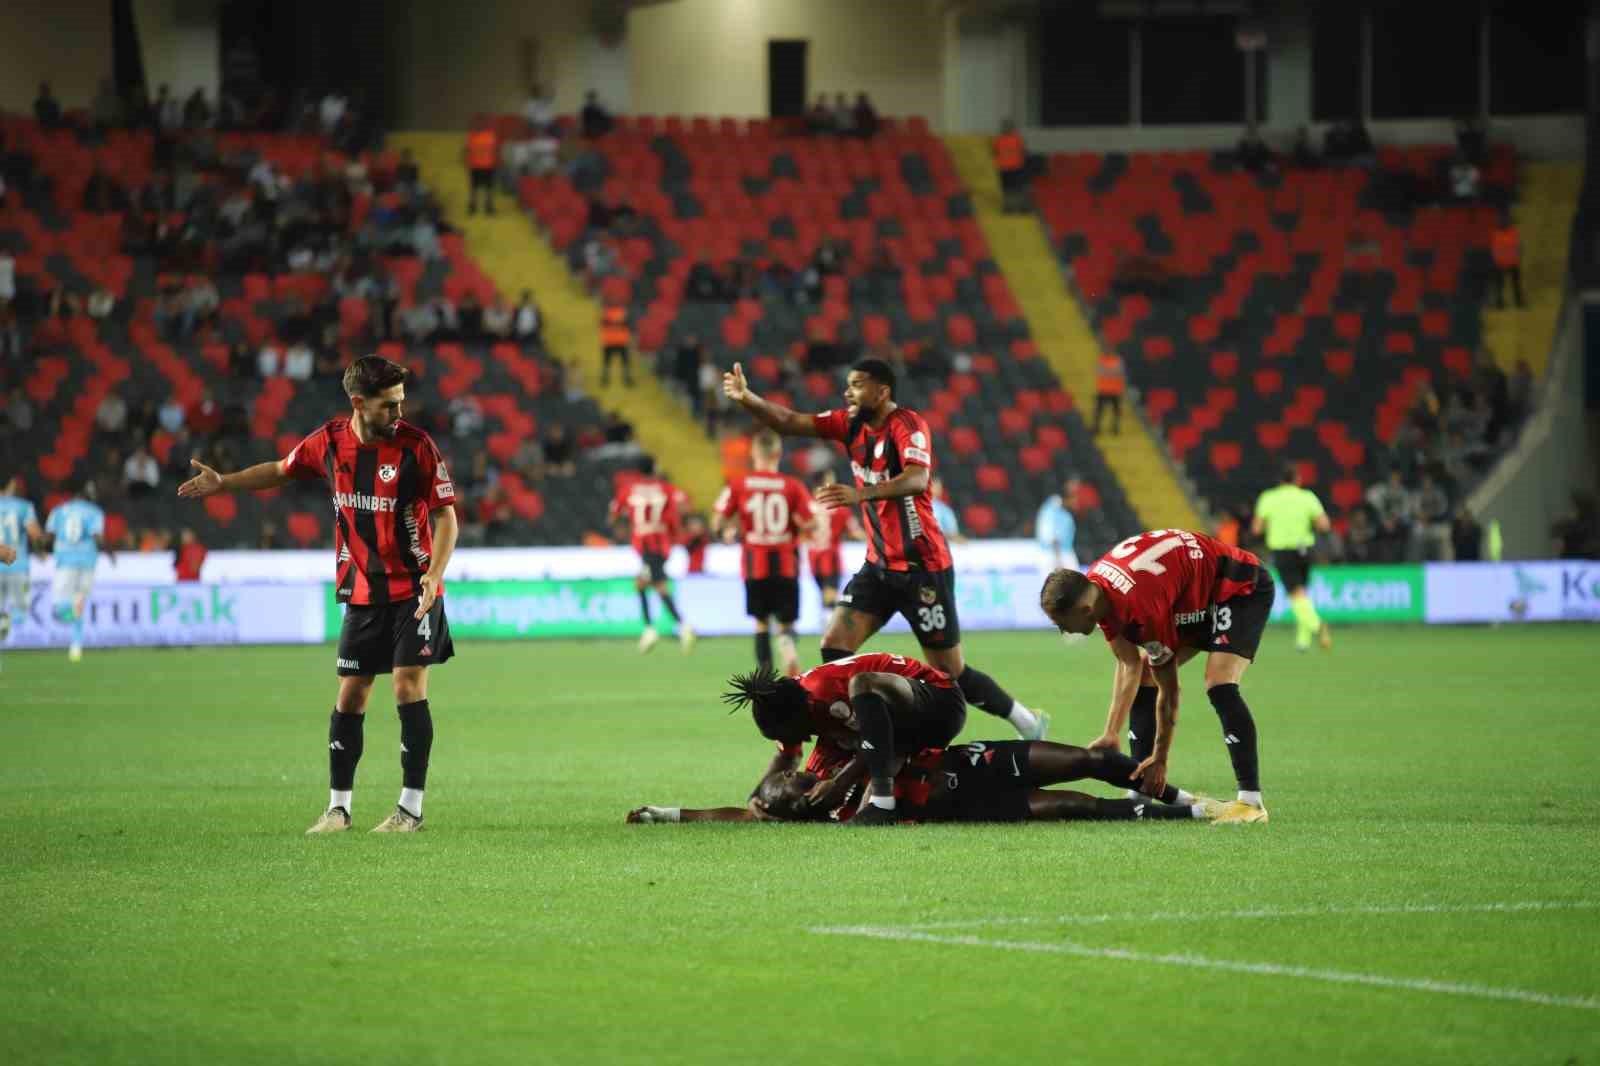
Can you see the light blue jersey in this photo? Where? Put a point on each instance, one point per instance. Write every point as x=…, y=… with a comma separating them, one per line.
x=945, y=515
x=16, y=515
x=75, y=524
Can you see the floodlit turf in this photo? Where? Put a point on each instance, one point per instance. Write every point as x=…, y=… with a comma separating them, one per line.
x=159, y=904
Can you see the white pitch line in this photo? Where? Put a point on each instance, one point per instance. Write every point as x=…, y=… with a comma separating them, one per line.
x=1264, y=912
x=1201, y=962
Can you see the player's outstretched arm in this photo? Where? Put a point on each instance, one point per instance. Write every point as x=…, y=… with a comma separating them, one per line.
x=774, y=416
x=207, y=482
x=1124, y=687
x=661, y=815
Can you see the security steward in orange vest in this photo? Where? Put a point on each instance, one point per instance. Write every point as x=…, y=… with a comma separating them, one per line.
x=1011, y=161
x=1505, y=248
x=616, y=342
x=1110, y=382
x=483, y=157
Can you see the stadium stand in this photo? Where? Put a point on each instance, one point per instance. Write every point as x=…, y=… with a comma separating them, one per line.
x=1292, y=316
x=495, y=406
x=795, y=253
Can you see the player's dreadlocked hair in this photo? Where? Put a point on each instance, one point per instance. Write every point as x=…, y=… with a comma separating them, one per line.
x=777, y=703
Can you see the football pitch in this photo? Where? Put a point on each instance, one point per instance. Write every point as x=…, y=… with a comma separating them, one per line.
x=1426, y=891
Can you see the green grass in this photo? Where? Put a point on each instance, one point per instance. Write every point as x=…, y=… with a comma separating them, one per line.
x=158, y=902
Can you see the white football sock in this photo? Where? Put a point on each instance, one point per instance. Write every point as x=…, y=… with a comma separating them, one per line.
x=1022, y=720
x=886, y=802
x=1198, y=810
x=1252, y=798
x=339, y=799
x=411, y=800
x=1185, y=798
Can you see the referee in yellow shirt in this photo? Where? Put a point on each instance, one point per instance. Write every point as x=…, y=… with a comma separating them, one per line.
x=1291, y=516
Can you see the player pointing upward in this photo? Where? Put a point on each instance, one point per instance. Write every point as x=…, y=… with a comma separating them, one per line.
x=395, y=529
x=908, y=568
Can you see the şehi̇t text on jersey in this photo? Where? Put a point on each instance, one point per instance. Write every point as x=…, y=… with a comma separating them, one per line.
x=1168, y=581
x=772, y=509
x=902, y=534
x=383, y=493
x=652, y=507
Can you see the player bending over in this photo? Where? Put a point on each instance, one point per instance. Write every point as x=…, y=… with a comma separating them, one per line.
x=770, y=512
x=395, y=529
x=985, y=781
x=908, y=570
x=1162, y=597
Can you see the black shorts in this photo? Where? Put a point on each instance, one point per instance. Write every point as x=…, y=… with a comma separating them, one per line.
x=1235, y=625
x=654, y=568
x=1294, y=567
x=483, y=179
x=773, y=597
x=979, y=782
x=377, y=638
x=939, y=715
x=926, y=599
x=827, y=582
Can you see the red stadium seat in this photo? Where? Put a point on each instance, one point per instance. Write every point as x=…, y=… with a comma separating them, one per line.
x=979, y=519
x=223, y=508
x=1346, y=493
x=993, y=478
x=964, y=441
x=304, y=528
x=1226, y=455
x=1273, y=436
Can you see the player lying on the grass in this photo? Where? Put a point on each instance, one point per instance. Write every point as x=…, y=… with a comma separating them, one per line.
x=985, y=781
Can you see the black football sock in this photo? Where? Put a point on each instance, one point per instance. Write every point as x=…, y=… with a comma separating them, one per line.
x=833, y=654
x=1239, y=733
x=1129, y=810
x=1115, y=768
x=672, y=608
x=877, y=741
x=764, y=649
x=984, y=693
x=345, y=740
x=644, y=605
x=416, y=742
x=1142, y=724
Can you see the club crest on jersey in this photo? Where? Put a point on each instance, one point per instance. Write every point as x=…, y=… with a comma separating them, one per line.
x=919, y=439
x=928, y=595
x=387, y=471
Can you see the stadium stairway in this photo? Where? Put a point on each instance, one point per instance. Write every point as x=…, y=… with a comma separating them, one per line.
x=1547, y=200
x=1023, y=253
x=516, y=256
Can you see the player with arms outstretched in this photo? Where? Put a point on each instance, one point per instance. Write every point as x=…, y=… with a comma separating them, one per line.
x=823, y=557
x=649, y=505
x=908, y=569
x=76, y=532
x=395, y=530
x=770, y=512
x=985, y=781
x=1161, y=598
x=19, y=530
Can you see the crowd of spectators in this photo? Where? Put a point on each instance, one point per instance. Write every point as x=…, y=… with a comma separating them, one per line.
x=841, y=118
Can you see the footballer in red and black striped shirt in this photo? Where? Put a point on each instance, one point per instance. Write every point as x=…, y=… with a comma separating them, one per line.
x=395, y=530
x=908, y=569
x=647, y=508
x=822, y=550
x=771, y=512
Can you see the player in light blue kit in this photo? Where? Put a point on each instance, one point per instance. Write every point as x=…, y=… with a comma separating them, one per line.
x=76, y=529
x=19, y=529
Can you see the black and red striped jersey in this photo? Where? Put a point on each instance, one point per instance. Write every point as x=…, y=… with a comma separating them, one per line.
x=383, y=493
x=902, y=534
x=773, y=510
x=822, y=550
x=652, y=506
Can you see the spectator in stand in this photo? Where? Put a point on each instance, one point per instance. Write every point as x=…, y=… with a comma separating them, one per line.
x=560, y=452
x=844, y=116
x=46, y=109
x=1395, y=507
x=1519, y=391
x=616, y=342
x=1361, y=537
x=1472, y=140
x=1055, y=528
x=594, y=120
x=866, y=116
x=702, y=284
x=171, y=416
x=819, y=119
x=241, y=363
x=166, y=110
x=111, y=417
x=420, y=322
x=469, y=318
x=1253, y=153
x=497, y=320
x=299, y=361
x=191, y=556
x=102, y=194
x=105, y=110
x=196, y=110
x=267, y=537
x=204, y=418
x=525, y=323
x=483, y=157
x=332, y=110
x=17, y=413
x=1576, y=534
x=1110, y=383
x=540, y=110
x=1433, y=521
x=406, y=173
x=686, y=370
x=528, y=460
x=141, y=474
x=1011, y=162
x=1466, y=537
x=1304, y=153
x=1505, y=248
x=269, y=361
x=1464, y=179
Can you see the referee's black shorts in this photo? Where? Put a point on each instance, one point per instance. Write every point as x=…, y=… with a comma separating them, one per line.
x=1294, y=567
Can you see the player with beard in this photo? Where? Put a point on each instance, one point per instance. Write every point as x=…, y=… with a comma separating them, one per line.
x=908, y=570
x=395, y=529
